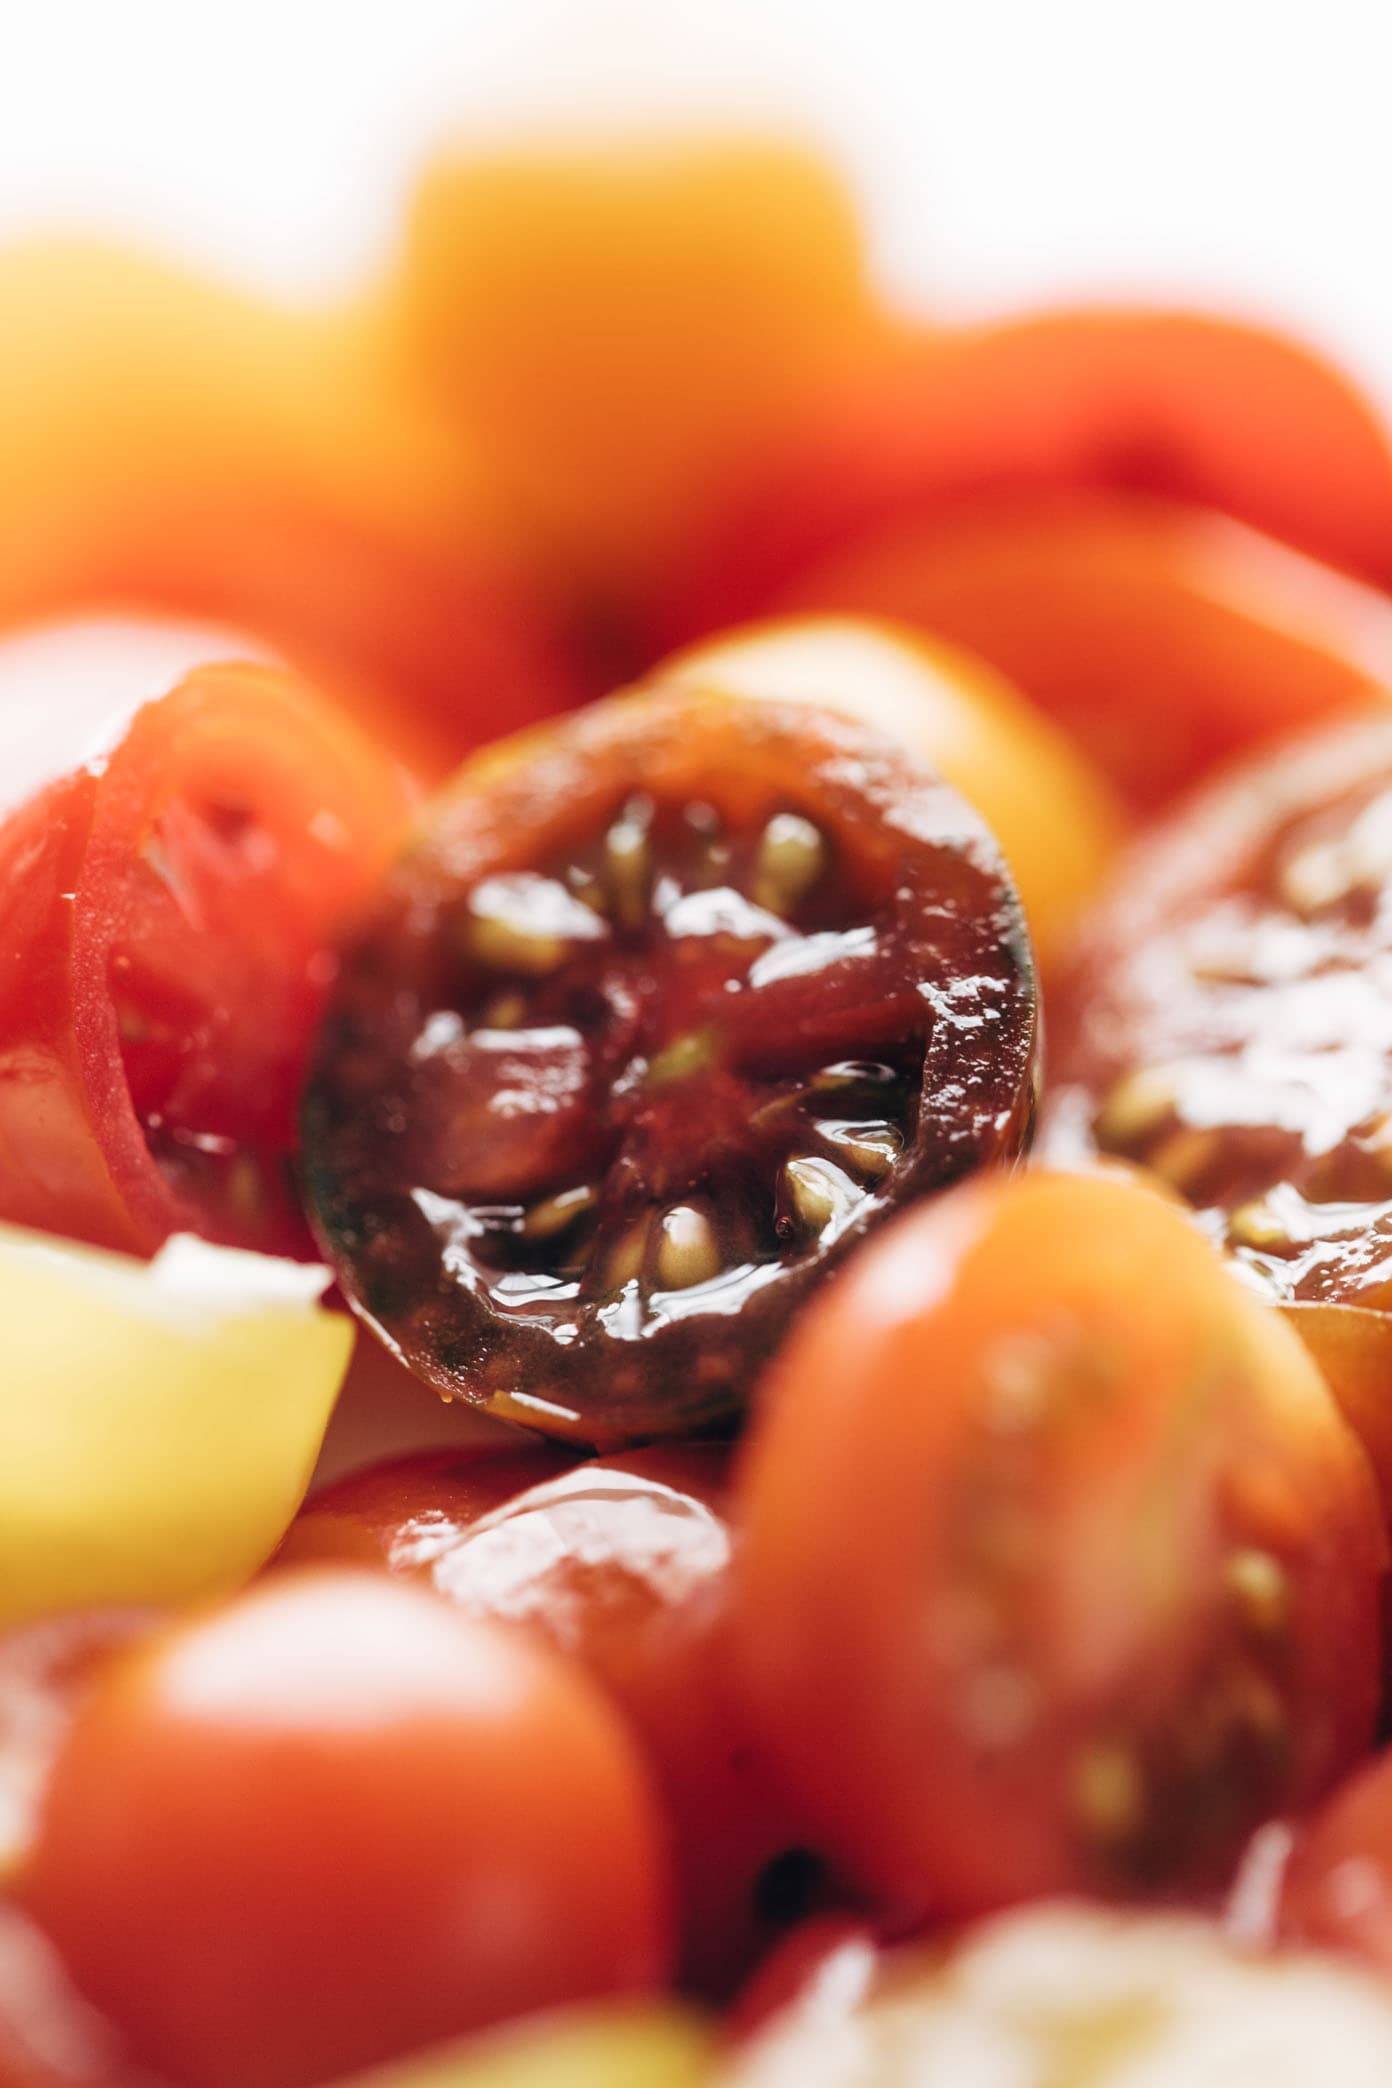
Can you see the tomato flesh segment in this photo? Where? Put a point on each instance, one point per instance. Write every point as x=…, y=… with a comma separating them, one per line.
x=168, y=919
x=1229, y=1022
x=626, y=1054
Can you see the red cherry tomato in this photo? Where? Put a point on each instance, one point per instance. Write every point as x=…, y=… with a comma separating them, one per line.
x=623, y=1563
x=1177, y=404
x=1165, y=639
x=49, y=2036
x=335, y=1821
x=666, y=1007
x=1337, y=1890
x=1105, y=1585
x=166, y=922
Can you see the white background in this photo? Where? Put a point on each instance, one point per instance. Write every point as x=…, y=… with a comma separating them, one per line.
x=1236, y=149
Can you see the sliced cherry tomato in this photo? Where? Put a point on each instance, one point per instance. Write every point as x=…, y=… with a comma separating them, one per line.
x=1067, y=1996
x=166, y=927
x=1165, y=640
x=663, y=1010
x=45, y=1669
x=175, y=446
x=334, y=1822
x=1178, y=404
x=1337, y=1889
x=1106, y=1579
x=1056, y=821
x=1228, y=1027
x=625, y=1564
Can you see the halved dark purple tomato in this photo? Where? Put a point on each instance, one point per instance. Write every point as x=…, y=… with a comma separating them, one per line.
x=1230, y=1025
x=666, y=1008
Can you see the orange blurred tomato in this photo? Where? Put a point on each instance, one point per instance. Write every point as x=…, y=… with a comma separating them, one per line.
x=616, y=324
x=171, y=445
x=1060, y=1570
x=1055, y=820
x=333, y=1821
x=1164, y=640
x=1171, y=403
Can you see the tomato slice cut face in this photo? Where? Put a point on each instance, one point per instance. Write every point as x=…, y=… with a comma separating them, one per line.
x=1230, y=1021
x=667, y=1007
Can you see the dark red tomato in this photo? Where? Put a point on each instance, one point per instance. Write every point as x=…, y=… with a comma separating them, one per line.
x=1338, y=1883
x=831, y=1959
x=49, y=2036
x=166, y=926
x=666, y=1008
x=624, y=1564
x=1060, y=1570
x=1178, y=404
x=45, y=1670
x=334, y=1821
x=1229, y=1023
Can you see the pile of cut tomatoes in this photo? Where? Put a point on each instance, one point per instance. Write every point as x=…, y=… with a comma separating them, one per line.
x=695, y=1168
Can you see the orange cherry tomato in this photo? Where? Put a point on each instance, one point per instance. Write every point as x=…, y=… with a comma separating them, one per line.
x=1337, y=1889
x=1177, y=404
x=173, y=446
x=1106, y=1580
x=1163, y=639
x=623, y=1563
x=334, y=1821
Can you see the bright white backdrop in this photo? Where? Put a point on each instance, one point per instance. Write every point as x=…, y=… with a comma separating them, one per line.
x=1241, y=149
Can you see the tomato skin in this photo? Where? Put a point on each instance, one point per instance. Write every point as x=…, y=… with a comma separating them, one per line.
x=332, y=1822
x=1337, y=1890
x=1175, y=404
x=1108, y=1579
x=89, y=909
x=622, y=1563
x=1166, y=640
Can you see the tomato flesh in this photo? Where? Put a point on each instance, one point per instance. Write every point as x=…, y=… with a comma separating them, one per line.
x=664, y=1012
x=167, y=919
x=1229, y=1023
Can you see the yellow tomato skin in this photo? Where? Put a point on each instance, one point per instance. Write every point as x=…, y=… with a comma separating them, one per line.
x=1057, y=821
x=158, y=1422
x=617, y=323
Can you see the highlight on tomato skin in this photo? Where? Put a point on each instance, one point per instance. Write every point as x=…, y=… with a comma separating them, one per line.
x=332, y=1822
x=1106, y=1592
x=623, y=1563
x=1180, y=405
x=1337, y=1888
x=167, y=920
x=1067, y=1992
x=661, y=1011
x=1164, y=639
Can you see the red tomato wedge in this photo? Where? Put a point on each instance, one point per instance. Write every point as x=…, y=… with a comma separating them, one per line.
x=166, y=922
x=1178, y=404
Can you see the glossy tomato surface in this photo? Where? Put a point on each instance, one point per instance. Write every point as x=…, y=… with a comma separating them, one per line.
x=660, y=1013
x=333, y=1822
x=1337, y=1890
x=1164, y=639
x=1106, y=1580
x=1180, y=405
x=1065, y=1995
x=167, y=917
x=1229, y=1023
x=625, y=1564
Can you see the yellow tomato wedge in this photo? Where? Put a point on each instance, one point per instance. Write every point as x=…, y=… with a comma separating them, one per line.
x=158, y=1421
x=1054, y=817
x=635, y=2047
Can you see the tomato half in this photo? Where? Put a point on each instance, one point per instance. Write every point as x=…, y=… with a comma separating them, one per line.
x=1165, y=640
x=623, y=1563
x=335, y=1821
x=663, y=1009
x=1228, y=1026
x=166, y=926
x=1177, y=404
x=1105, y=1584
x=1068, y=1996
